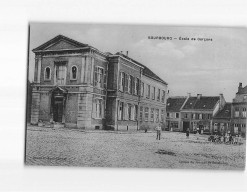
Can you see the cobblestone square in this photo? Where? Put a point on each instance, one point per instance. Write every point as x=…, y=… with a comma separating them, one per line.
x=73, y=147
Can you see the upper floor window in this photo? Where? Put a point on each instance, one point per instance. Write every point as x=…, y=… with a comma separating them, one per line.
x=153, y=93
x=142, y=89
x=177, y=115
x=245, y=97
x=100, y=77
x=148, y=91
x=129, y=78
x=194, y=116
x=121, y=87
x=136, y=86
x=185, y=115
x=47, y=73
x=200, y=116
x=236, y=114
x=167, y=114
x=244, y=112
x=73, y=74
x=158, y=95
x=163, y=96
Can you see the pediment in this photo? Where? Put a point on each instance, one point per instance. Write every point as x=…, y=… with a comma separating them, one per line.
x=60, y=42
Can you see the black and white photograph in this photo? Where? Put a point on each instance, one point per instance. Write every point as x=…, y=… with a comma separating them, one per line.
x=136, y=96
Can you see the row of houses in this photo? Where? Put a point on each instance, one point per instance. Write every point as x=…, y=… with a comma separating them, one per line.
x=208, y=113
x=77, y=85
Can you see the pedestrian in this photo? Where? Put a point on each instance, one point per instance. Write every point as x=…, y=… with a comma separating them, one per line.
x=158, y=129
x=187, y=133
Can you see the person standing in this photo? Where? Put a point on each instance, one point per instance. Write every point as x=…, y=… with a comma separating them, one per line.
x=187, y=133
x=158, y=129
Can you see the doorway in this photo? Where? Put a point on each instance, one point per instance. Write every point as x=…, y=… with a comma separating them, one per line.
x=186, y=125
x=58, y=109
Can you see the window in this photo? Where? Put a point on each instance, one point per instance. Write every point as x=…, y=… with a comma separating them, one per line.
x=148, y=91
x=47, y=73
x=174, y=125
x=158, y=95
x=236, y=112
x=141, y=113
x=244, y=112
x=153, y=93
x=120, y=111
x=129, y=112
x=98, y=108
x=243, y=125
x=121, y=88
x=245, y=97
x=162, y=115
x=163, y=96
x=128, y=83
x=200, y=116
x=146, y=114
x=135, y=112
x=157, y=115
x=209, y=116
x=131, y=84
x=152, y=115
x=99, y=77
x=167, y=114
x=185, y=115
x=177, y=115
x=73, y=74
x=194, y=116
x=136, y=86
x=61, y=74
x=142, y=89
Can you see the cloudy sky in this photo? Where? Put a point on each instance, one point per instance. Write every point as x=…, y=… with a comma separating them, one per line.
x=206, y=67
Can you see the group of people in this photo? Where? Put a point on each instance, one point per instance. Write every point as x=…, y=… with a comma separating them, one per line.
x=227, y=138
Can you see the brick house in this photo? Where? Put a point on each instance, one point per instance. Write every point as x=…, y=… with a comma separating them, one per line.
x=79, y=86
x=238, y=111
x=173, y=115
x=198, y=111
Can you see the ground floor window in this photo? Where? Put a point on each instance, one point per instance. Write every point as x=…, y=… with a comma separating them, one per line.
x=152, y=115
x=146, y=114
x=141, y=113
x=174, y=125
x=120, y=111
x=162, y=115
x=98, y=108
x=157, y=115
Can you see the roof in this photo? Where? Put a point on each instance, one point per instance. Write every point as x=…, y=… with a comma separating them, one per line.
x=174, y=104
x=57, y=39
x=242, y=90
x=225, y=112
x=146, y=71
x=204, y=103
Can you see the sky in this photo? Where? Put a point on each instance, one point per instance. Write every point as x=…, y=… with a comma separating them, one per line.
x=188, y=66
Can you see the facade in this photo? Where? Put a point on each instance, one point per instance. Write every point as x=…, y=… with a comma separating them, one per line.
x=78, y=86
x=153, y=98
x=222, y=120
x=69, y=84
x=238, y=113
x=173, y=115
x=198, y=112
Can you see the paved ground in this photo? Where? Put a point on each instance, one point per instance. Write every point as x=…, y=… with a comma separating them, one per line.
x=69, y=147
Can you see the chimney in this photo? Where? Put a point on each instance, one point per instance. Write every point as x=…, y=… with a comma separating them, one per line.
x=188, y=94
x=127, y=52
x=240, y=87
x=199, y=96
x=222, y=101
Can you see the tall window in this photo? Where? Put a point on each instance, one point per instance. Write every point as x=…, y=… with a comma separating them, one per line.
x=209, y=116
x=200, y=116
x=129, y=112
x=177, y=115
x=148, y=91
x=163, y=96
x=121, y=88
x=162, y=115
x=135, y=86
x=244, y=112
x=168, y=115
x=135, y=112
x=142, y=89
x=194, y=116
x=146, y=114
x=47, y=73
x=236, y=112
x=185, y=115
x=120, y=111
x=129, y=83
x=98, y=108
x=158, y=95
x=152, y=115
x=157, y=115
x=99, y=77
x=153, y=93
x=73, y=74
x=141, y=113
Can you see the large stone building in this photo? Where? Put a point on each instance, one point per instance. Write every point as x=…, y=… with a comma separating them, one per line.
x=238, y=112
x=79, y=86
x=198, y=112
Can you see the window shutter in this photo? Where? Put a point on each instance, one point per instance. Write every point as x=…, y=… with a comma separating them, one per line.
x=95, y=76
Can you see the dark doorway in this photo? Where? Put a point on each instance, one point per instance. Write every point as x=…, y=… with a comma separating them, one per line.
x=186, y=125
x=58, y=109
